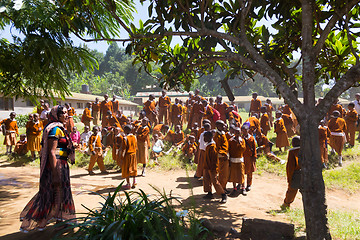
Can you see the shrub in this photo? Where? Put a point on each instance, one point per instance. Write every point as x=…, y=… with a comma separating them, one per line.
x=137, y=216
x=21, y=120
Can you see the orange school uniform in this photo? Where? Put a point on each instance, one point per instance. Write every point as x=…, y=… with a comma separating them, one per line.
x=281, y=134
x=210, y=169
x=237, y=168
x=143, y=143
x=351, y=118
x=34, y=136
x=129, y=164
x=337, y=127
x=265, y=123
x=95, y=146
x=222, y=148
x=11, y=130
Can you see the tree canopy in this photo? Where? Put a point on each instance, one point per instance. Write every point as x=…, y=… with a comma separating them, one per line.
x=41, y=55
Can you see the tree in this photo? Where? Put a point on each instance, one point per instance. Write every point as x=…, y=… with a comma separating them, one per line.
x=229, y=34
x=42, y=55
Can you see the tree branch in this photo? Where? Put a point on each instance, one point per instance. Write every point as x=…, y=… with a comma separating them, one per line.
x=335, y=18
x=350, y=39
x=346, y=81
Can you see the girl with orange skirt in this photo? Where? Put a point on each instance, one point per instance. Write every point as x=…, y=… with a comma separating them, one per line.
x=34, y=136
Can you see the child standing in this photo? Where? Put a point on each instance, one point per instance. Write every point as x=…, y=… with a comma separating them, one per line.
x=143, y=143
x=249, y=155
x=292, y=166
x=337, y=127
x=222, y=148
x=237, y=167
x=351, y=118
x=11, y=132
x=95, y=148
x=129, y=164
x=34, y=135
x=75, y=137
x=280, y=130
x=200, y=158
x=210, y=172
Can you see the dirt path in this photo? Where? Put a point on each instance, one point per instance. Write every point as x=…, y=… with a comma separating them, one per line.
x=19, y=184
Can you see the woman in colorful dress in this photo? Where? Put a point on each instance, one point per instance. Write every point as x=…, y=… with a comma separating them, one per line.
x=54, y=200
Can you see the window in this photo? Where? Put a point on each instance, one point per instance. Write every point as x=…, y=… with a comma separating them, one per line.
x=121, y=108
x=124, y=108
x=6, y=103
x=79, y=105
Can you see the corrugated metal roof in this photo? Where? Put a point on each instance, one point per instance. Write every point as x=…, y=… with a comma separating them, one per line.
x=158, y=94
x=90, y=97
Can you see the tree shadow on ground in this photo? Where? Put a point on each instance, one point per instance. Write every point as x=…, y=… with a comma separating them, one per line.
x=49, y=233
x=216, y=212
x=14, y=160
x=188, y=182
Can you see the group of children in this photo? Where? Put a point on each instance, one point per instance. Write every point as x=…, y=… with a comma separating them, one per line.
x=223, y=146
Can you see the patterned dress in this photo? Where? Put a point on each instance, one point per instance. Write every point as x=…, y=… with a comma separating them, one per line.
x=54, y=200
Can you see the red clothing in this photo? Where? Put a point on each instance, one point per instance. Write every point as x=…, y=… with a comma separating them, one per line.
x=222, y=109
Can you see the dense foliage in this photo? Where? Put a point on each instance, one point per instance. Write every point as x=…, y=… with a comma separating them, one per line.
x=41, y=55
x=137, y=215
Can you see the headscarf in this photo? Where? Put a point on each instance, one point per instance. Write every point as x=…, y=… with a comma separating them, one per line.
x=54, y=122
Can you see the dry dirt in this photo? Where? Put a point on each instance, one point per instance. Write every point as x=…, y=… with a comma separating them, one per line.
x=18, y=184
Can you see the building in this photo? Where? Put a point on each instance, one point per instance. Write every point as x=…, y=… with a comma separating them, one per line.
x=76, y=100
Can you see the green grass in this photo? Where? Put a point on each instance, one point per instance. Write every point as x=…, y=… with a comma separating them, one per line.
x=344, y=178
x=343, y=225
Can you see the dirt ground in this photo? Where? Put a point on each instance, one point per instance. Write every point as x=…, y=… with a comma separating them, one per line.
x=18, y=184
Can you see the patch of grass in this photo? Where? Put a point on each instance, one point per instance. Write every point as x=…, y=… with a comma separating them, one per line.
x=343, y=225
x=344, y=178
x=175, y=160
x=265, y=165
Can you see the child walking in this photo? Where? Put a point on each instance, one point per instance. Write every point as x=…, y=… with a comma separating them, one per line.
x=129, y=163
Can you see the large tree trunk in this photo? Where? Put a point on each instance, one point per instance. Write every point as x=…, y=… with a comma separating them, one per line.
x=313, y=188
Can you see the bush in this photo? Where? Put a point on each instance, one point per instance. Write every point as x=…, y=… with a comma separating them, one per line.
x=137, y=216
x=21, y=120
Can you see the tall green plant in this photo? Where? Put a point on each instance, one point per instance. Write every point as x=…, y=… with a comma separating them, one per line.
x=138, y=216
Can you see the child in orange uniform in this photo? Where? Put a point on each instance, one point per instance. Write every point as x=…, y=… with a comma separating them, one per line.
x=86, y=117
x=34, y=135
x=222, y=148
x=351, y=118
x=200, y=155
x=129, y=163
x=292, y=166
x=210, y=172
x=190, y=147
x=143, y=143
x=95, y=148
x=337, y=127
x=237, y=168
x=11, y=132
x=21, y=146
x=324, y=134
x=280, y=130
x=249, y=155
